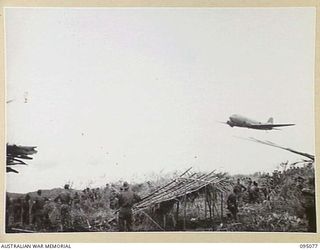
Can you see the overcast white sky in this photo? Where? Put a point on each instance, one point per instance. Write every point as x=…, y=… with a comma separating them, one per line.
x=120, y=93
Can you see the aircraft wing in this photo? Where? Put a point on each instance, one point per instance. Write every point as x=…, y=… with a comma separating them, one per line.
x=270, y=126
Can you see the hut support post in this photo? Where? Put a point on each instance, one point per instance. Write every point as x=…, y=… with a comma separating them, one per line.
x=212, y=208
x=209, y=206
x=221, y=213
x=21, y=214
x=185, y=211
x=205, y=203
x=177, y=212
x=164, y=221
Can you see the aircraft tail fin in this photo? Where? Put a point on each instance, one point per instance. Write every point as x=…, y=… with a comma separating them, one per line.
x=270, y=121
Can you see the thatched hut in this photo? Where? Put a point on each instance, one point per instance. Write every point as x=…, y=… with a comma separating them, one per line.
x=185, y=201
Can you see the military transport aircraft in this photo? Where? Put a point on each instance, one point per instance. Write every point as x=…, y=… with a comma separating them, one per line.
x=244, y=122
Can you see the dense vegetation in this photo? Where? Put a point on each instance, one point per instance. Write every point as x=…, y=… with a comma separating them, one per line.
x=278, y=208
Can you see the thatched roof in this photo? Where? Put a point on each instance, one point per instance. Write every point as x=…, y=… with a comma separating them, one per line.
x=184, y=185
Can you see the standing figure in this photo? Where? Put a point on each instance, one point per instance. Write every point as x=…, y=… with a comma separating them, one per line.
x=308, y=202
x=8, y=208
x=26, y=210
x=126, y=199
x=255, y=192
x=17, y=210
x=239, y=189
x=65, y=210
x=90, y=194
x=232, y=204
x=80, y=222
x=250, y=190
x=76, y=199
x=37, y=211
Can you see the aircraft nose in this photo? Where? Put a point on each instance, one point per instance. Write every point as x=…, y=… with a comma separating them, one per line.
x=230, y=123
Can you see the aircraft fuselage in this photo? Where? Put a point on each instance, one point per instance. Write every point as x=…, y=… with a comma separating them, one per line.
x=244, y=122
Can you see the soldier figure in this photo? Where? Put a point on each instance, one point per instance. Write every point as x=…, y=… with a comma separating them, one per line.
x=65, y=209
x=126, y=200
x=8, y=207
x=308, y=202
x=76, y=200
x=25, y=210
x=232, y=204
x=37, y=210
x=17, y=210
x=250, y=191
x=239, y=189
x=299, y=182
x=255, y=192
x=80, y=222
x=90, y=194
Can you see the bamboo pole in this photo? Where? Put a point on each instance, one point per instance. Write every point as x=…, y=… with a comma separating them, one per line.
x=175, y=189
x=153, y=196
x=19, y=230
x=269, y=143
x=163, y=199
x=149, y=217
x=184, y=178
x=166, y=184
x=191, y=186
x=188, y=186
x=193, y=182
x=163, y=193
x=199, y=187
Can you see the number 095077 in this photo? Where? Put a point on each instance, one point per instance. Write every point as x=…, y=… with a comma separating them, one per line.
x=308, y=246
